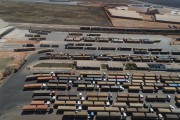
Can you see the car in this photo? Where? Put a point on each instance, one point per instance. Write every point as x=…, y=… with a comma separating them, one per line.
x=171, y=107
x=160, y=117
x=121, y=88
x=168, y=98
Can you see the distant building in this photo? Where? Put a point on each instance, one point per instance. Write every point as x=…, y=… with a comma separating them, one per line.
x=162, y=11
x=169, y=18
x=173, y=67
x=124, y=12
x=115, y=65
x=3, y=24
x=142, y=66
x=88, y=65
x=5, y=28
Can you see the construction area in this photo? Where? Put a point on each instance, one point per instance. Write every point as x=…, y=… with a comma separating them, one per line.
x=143, y=16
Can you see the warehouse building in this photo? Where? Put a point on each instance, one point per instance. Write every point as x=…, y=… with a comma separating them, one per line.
x=5, y=28
x=142, y=66
x=169, y=18
x=123, y=12
x=173, y=67
x=115, y=65
x=88, y=65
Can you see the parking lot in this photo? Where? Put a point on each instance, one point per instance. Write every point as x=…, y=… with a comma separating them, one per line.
x=13, y=98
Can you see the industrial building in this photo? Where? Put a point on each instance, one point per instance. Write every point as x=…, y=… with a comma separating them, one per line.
x=3, y=24
x=5, y=28
x=143, y=12
x=96, y=65
x=123, y=12
x=142, y=66
x=168, y=18
x=115, y=65
x=88, y=65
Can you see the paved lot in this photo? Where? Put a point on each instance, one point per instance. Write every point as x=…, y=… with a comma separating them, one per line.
x=58, y=38
x=12, y=98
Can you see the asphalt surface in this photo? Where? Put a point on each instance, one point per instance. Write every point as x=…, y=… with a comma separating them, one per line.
x=11, y=92
x=12, y=96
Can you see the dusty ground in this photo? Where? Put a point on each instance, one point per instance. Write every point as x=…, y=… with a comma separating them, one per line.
x=22, y=41
x=174, y=41
x=52, y=14
x=15, y=59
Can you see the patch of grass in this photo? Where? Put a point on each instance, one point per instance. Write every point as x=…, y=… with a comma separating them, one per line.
x=4, y=62
x=52, y=14
x=104, y=66
x=61, y=65
x=131, y=66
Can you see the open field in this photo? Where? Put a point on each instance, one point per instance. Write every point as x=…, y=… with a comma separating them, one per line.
x=52, y=14
x=100, y=2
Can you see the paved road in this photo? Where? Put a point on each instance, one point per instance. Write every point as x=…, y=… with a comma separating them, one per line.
x=11, y=94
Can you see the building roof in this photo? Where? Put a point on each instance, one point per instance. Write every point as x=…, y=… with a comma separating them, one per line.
x=138, y=9
x=161, y=10
x=168, y=18
x=115, y=64
x=142, y=65
x=3, y=24
x=175, y=12
x=124, y=13
x=88, y=63
x=174, y=66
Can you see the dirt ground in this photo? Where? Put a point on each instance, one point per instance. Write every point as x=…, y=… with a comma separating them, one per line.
x=53, y=14
x=22, y=42
x=174, y=41
x=15, y=59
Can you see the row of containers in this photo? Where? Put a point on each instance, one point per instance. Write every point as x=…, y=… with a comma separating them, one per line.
x=93, y=104
x=105, y=57
x=131, y=30
x=97, y=38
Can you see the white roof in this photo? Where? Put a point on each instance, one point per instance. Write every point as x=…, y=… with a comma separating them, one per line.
x=173, y=66
x=162, y=10
x=122, y=8
x=142, y=65
x=125, y=13
x=113, y=64
x=5, y=29
x=88, y=63
x=139, y=9
x=175, y=12
x=3, y=24
x=168, y=18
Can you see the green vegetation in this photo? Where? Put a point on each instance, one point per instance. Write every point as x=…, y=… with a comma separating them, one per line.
x=61, y=65
x=131, y=66
x=52, y=14
x=104, y=66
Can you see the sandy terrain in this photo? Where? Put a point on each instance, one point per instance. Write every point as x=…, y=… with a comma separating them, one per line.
x=16, y=59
